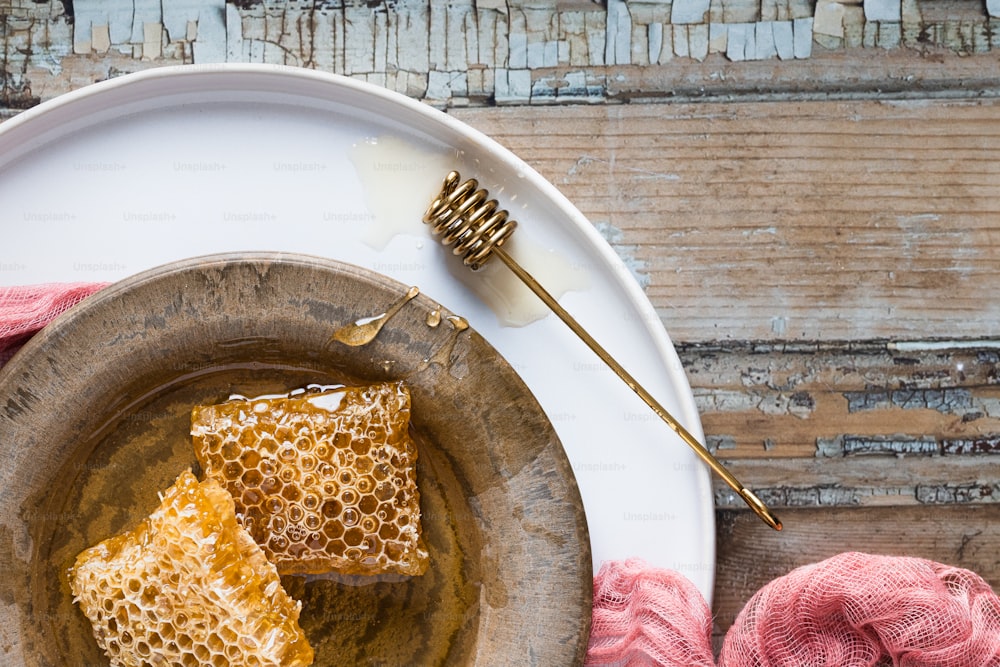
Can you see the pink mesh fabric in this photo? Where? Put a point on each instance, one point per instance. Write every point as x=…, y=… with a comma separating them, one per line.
x=25, y=310
x=648, y=616
x=850, y=610
x=857, y=609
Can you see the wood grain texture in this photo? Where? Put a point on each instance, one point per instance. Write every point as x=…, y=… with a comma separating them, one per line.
x=748, y=557
x=825, y=269
x=846, y=220
x=766, y=401
x=865, y=446
x=536, y=52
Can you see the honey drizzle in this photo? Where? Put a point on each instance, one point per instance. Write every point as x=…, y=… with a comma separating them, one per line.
x=459, y=324
x=443, y=355
x=363, y=331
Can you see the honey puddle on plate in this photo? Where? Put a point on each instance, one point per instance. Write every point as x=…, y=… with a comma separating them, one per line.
x=400, y=180
x=427, y=620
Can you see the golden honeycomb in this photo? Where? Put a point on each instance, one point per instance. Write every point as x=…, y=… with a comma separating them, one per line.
x=324, y=480
x=188, y=587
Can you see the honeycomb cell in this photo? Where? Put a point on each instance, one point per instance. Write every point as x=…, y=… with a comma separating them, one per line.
x=252, y=477
x=228, y=636
x=354, y=536
x=291, y=493
x=363, y=465
x=274, y=505
x=150, y=603
x=270, y=484
x=213, y=443
x=327, y=461
x=250, y=458
x=247, y=439
x=334, y=530
x=368, y=505
x=267, y=445
x=388, y=531
x=365, y=484
x=332, y=508
x=229, y=451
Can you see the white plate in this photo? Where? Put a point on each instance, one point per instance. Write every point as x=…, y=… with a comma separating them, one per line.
x=137, y=171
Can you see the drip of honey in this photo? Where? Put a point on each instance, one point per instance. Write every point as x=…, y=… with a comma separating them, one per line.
x=363, y=331
x=443, y=355
x=459, y=324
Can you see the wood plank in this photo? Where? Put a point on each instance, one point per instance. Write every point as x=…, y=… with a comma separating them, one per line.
x=846, y=220
x=765, y=401
x=872, y=480
x=903, y=462
x=948, y=47
x=750, y=554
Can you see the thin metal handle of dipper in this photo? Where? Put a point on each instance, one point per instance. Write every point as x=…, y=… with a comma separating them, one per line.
x=475, y=227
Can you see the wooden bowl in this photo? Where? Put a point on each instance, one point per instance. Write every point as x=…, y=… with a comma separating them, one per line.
x=94, y=419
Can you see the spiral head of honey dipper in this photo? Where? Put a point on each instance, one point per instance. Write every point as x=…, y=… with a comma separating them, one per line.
x=469, y=221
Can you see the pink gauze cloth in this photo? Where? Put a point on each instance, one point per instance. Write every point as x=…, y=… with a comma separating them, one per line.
x=25, y=310
x=850, y=610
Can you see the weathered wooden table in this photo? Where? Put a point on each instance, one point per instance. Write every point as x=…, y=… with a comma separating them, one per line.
x=808, y=192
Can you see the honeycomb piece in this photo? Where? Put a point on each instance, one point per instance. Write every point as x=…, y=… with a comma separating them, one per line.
x=324, y=481
x=188, y=587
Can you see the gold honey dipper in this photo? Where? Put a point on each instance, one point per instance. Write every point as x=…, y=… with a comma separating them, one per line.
x=475, y=227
